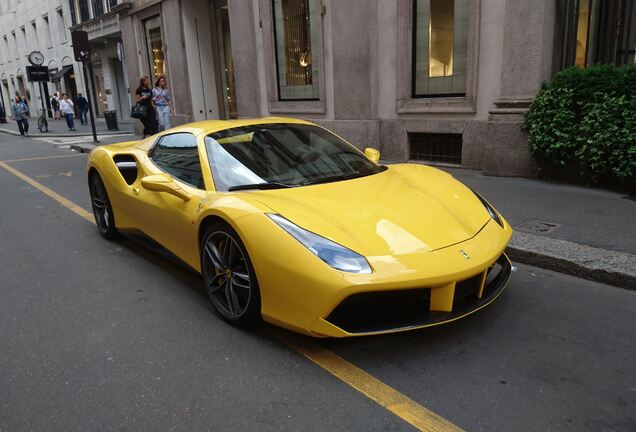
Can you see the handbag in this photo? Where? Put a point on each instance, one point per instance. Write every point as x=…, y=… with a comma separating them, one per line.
x=139, y=111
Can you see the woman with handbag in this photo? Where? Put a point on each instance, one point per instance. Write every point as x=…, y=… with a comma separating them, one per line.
x=144, y=103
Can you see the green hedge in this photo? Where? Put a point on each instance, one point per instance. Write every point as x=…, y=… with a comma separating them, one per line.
x=587, y=116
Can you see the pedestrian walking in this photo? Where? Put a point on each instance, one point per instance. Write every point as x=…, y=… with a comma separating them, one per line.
x=55, y=105
x=161, y=98
x=144, y=98
x=82, y=107
x=66, y=107
x=20, y=113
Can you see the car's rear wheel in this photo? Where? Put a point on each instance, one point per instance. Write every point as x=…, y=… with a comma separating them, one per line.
x=102, y=209
x=229, y=276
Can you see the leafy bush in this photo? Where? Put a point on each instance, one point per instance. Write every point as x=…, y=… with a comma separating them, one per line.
x=587, y=116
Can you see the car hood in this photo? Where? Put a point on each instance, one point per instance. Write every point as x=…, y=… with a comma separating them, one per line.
x=403, y=210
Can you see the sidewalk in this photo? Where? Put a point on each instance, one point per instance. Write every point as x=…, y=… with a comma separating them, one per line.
x=58, y=128
x=590, y=233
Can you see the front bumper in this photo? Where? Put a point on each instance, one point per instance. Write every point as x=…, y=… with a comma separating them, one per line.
x=380, y=312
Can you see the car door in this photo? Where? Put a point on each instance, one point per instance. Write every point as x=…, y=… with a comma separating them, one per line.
x=169, y=219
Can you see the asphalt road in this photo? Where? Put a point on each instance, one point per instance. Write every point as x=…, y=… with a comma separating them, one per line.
x=98, y=335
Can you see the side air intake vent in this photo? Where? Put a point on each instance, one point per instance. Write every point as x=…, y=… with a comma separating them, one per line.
x=127, y=166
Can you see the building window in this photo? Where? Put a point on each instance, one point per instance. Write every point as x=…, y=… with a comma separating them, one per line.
x=25, y=42
x=47, y=31
x=6, y=47
x=112, y=4
x=15, y=45
x=595, y=31
x=34, y=32
x=295, y=41
x=60, y=24
x=71, y=4
x=440, y=47
x=436, y=147
x=98, y=8
x=154, y=45
x=84, y=12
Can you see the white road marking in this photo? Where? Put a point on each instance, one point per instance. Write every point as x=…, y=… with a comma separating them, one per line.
x=67, y=141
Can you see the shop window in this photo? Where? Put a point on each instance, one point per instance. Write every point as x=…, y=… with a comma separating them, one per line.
x=440, y=46
x=154, y=45
x=295, y=41
x=594, y=31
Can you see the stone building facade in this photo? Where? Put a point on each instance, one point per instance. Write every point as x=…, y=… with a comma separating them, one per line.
x=442, y=81
x=32, y=25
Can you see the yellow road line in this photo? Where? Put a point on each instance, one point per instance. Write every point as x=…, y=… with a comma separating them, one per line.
x=379, y=392
x=44, y=157
x=57, y=197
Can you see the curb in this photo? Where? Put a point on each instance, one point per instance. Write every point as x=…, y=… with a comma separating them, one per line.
x=599, y=265
x=83, y=148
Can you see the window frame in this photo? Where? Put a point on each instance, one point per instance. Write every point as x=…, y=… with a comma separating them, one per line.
x=154, y=147
x=406, y=102
x=296, y=106
x=144, y=20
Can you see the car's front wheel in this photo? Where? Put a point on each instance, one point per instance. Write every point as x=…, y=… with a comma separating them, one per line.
x=102, y=209
x=229, y=276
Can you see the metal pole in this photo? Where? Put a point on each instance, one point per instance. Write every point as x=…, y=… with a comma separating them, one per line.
x=3, y=119
x=88, y=98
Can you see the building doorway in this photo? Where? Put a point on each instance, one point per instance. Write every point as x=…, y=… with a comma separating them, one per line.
x=222, y=45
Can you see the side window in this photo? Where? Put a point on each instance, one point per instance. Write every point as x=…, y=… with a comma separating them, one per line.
x=178, y=155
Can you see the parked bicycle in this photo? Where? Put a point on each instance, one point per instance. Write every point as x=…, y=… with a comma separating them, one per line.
x=43, y=124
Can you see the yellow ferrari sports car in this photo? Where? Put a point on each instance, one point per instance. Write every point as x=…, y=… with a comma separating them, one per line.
x=289, y=223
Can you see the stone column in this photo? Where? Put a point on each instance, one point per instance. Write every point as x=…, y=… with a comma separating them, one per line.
x=527, y=62
x=241, y=15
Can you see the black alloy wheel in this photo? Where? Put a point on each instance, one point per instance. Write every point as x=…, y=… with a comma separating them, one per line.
x=229, y=276
x=102, y=209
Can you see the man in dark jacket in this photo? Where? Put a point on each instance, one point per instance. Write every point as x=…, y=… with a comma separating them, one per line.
x=82, y=107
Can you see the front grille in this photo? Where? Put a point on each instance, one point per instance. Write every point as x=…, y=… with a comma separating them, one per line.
x=466, y=292
x=375, y=311
x=436, y=147
x=386, y=310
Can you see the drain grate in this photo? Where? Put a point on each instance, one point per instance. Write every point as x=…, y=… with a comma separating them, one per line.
x=534, y=226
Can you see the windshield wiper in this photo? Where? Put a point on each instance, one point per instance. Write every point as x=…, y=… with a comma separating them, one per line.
x=339, y=177
x=260, y=186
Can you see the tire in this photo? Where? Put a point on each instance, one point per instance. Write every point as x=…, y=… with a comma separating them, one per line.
x=43, y=125
x=229, y=277
x=102, y=210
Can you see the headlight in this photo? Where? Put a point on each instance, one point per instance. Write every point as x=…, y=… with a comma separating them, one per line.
x=337, y=256
x=491, y=211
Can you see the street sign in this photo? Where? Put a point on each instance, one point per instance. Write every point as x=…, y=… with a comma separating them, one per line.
x=37, y=73
x=81, y=48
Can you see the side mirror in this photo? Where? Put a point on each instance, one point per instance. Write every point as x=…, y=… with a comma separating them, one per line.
x=372, y=154
x=164, y=183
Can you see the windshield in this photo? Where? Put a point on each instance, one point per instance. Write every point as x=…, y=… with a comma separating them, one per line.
x=268, y=156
